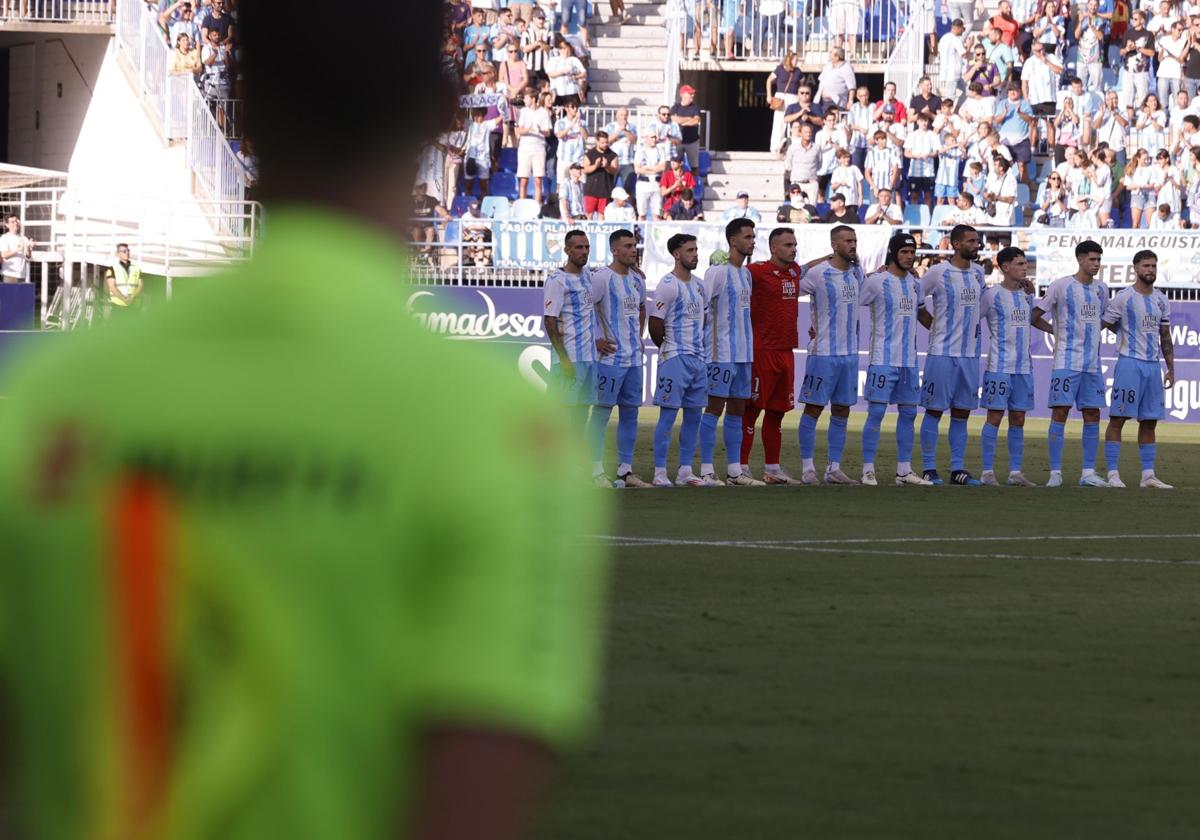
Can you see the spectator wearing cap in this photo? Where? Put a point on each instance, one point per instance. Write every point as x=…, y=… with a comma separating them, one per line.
x=673, y=182
x=742, y=210
x=884, y=211
x=619, y=209
x=571, y=199
x=1091, y=35
x=649, y=162
x=1014, y=120
x=804, y=110
x=622, y=139
x=892, y=126
x=836, y=81
x=536, y=46
x=890, y=100
x=1039, y=84
x=686, y=209
x=686, y=115
x=600, y=169
x=568, y=78
x=802, y=163
x=795, y=210
x=839, y=213
x=950, y=52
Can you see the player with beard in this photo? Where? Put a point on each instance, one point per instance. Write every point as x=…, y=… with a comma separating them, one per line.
x=951, y=380
x=893, y=297
x=1141, y=317
x=831, y=370
x=729, y=339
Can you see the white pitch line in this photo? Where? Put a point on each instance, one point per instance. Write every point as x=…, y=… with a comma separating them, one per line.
x=930, y=539
x=622, y=542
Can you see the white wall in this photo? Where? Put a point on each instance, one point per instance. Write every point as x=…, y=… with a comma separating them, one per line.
x=51, y=84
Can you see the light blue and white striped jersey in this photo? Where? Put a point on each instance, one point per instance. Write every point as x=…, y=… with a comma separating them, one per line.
x=727, y=334
x=681, y=307
x=1140, y=317
x=893, y=302
x=1075, y=310
x=649, y=157
x=1007, y=314
x=568, y=297
x=619, y=300
x=571, y=147
x=956, y=293
x=619, y=143
x=834, y=296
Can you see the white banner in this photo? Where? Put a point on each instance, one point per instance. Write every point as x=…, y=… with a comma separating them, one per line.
x=812, y=242
x=1177, y=251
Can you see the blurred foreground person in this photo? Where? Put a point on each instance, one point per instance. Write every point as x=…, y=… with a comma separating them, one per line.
x=245, y=590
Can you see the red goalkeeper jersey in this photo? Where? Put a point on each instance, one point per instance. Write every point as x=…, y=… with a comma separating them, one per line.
x=773, y=305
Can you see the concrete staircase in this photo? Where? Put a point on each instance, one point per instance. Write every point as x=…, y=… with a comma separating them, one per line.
x=758, y=173
x=627, y=61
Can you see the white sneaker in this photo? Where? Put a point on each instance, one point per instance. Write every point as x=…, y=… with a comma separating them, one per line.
x=1055, y=480
x=911, y=478
x=868, y=478
x=743, y=480
x=710, y=480
x=662, y=481
x=689, y=480
x=1093, y=480
x=1114, y=480
x=1155, y=483
x=1019, y=480
x=810, y=477
x=838, y=477
x=780, y=478
x=988, y=479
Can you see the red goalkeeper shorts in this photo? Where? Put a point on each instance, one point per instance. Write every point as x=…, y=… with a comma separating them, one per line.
x=773, y=386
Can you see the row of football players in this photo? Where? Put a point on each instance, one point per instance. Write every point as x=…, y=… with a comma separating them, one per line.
x=726, y=347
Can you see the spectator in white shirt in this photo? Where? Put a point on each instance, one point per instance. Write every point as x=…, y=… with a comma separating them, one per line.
x=883, y=211
x=1039, y=86
x=951, y=49
x=619, y=209
x=533, y=130
x=568, y=78
x=965, y=212
x=15, y=250
x=922, y=148
x=1171, y=45
x=1164, y=219
x=1085, y=216
x=836, y=81
x=1001, y=192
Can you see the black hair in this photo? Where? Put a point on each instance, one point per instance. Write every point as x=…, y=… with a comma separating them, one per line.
x=737, y=226
x=778, y=232
x=1008, y=254
x=678, y=241
x=839, y=229
x=408, y=101
x=970, y=198
x=617, y=235
x=571, y=234
x=1144, y=254
x=959, y=231
x=1087, y=246
x=686, y=194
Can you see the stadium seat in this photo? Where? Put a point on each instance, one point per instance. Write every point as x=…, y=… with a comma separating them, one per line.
x=524, y=209
x=459, y=205
x=698, y=190
x=705, y=164
x=508, y=160
x=450, y=233
x=1022, y=195
x=940, y=213
x=504, y=184
x=494, y=206
x=916, y=215
x=822, y=209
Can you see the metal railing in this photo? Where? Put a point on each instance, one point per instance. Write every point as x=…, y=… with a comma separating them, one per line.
x=229, y=117
x=92, y=12
x=906, y=64
x=182, y=114
x=596, y=117
x=766, y=29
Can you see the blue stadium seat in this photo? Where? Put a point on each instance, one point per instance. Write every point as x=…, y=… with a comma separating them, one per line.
x=508, y=160
x=940, y=212
x=450, y=234
x=505, y=184
x=459, y=205
x=1022, y=195
x=822, y=209
x=698, y=191
x=916, y=215
x=705, y=164
x=494, y=206
x=862, y=213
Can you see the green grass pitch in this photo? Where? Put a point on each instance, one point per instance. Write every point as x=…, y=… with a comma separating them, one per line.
x=829, y=662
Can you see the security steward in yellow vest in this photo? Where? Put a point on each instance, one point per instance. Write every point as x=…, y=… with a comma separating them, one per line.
x=124, y=281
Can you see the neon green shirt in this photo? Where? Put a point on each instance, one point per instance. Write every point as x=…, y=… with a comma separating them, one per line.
x=346, y=528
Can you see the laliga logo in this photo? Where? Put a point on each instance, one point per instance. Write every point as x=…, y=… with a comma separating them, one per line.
x=470, y=326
